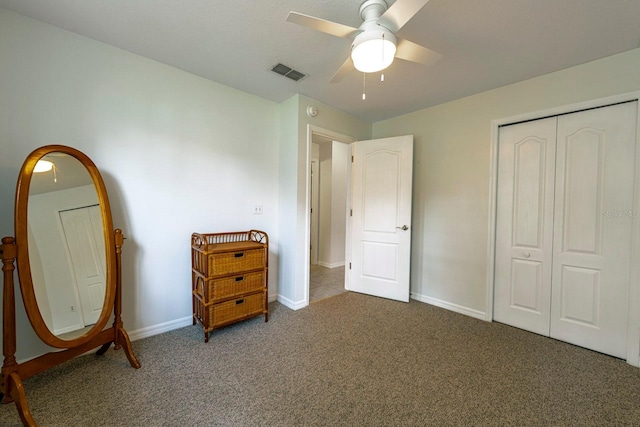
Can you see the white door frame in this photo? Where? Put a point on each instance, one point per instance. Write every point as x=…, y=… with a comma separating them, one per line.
x=314, y=197
x=633, y=328
x=316, y=130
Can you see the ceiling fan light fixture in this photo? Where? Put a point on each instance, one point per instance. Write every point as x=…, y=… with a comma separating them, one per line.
x=373, y=51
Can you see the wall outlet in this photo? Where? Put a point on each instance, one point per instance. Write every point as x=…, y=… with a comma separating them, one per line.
x=73, y=308
x=257, y=210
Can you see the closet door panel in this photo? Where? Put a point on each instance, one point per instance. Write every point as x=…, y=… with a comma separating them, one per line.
x=580, y=295
x=584, y=159
x=592, y=237
x=526, y=166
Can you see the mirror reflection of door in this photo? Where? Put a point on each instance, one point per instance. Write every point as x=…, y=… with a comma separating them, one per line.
x=66, y=302
x=83, y=237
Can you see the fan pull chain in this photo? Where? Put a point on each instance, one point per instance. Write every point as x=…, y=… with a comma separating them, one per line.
x=364, y=86
x=382, y=59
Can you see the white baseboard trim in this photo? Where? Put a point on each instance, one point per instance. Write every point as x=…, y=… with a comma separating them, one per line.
x=150, y=331
x=160, y=328
x=331, y=265
x=139, y=334
x=450, y=306
x=293, y=305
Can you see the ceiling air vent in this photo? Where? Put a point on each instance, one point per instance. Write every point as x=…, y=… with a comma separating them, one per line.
x=288, y=72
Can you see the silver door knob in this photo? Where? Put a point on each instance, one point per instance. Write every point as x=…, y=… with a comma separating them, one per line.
x=404, y=227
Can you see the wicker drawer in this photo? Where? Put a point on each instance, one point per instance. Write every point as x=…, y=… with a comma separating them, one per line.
x=234, y=262
x=230, y=286
x=237, y=309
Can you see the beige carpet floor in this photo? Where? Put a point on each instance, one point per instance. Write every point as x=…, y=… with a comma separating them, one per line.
x=349, y=360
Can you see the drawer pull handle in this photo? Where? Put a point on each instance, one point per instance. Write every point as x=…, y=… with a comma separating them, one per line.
x=239, y=255
x=239, y=278
x=240, y=301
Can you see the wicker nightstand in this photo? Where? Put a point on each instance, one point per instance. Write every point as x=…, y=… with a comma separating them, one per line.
x=229, y=273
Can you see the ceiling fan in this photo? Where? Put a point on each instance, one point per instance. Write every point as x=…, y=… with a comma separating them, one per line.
x=375, y=44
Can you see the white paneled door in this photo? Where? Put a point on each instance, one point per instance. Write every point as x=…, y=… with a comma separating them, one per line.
x=564, y=226
x=524, y=232
x=85, y=243
x=592, y=240
x=381, y=217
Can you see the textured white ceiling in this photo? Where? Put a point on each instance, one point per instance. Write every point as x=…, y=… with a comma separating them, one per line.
x=485, y=43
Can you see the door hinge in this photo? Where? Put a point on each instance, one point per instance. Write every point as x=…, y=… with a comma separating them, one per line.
x=349, y=266
x=351, y=159
x=350, y=212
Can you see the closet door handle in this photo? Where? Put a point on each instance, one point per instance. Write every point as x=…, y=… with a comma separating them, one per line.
x=526, y=254
x=404, y=227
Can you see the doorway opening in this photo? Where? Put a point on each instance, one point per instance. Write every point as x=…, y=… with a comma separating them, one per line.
x=329, y=185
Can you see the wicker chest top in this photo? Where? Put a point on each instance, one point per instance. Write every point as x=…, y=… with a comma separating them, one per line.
x=213, y=248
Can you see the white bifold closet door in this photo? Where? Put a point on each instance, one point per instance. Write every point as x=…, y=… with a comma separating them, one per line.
x=83, y=236
x=564, y=226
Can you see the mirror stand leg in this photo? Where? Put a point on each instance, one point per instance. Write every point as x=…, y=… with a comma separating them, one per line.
x=103, y=349
x=123, y=339
x=17, y=393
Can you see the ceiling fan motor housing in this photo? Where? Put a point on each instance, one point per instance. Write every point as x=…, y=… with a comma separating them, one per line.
x=372, y=9
x=374, y=48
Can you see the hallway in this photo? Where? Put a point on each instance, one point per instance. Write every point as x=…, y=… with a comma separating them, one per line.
x=325, y=282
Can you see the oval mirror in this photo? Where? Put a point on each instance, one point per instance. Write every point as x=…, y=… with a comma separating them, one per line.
x=64, y=233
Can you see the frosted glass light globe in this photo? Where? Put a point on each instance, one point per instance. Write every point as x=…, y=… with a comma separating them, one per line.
x=373, y=51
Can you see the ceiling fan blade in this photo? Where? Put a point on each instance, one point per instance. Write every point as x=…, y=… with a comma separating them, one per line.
x=400, y=13
x=322, y=25
x=410, y=51
x=344, y=69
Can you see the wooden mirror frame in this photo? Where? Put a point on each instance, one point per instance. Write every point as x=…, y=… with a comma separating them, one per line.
x=23, y=261
x=17, y=248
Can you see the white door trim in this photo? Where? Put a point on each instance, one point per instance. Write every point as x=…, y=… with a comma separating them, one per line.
x=633, y=329
x=316, y=130
x=314, y=214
